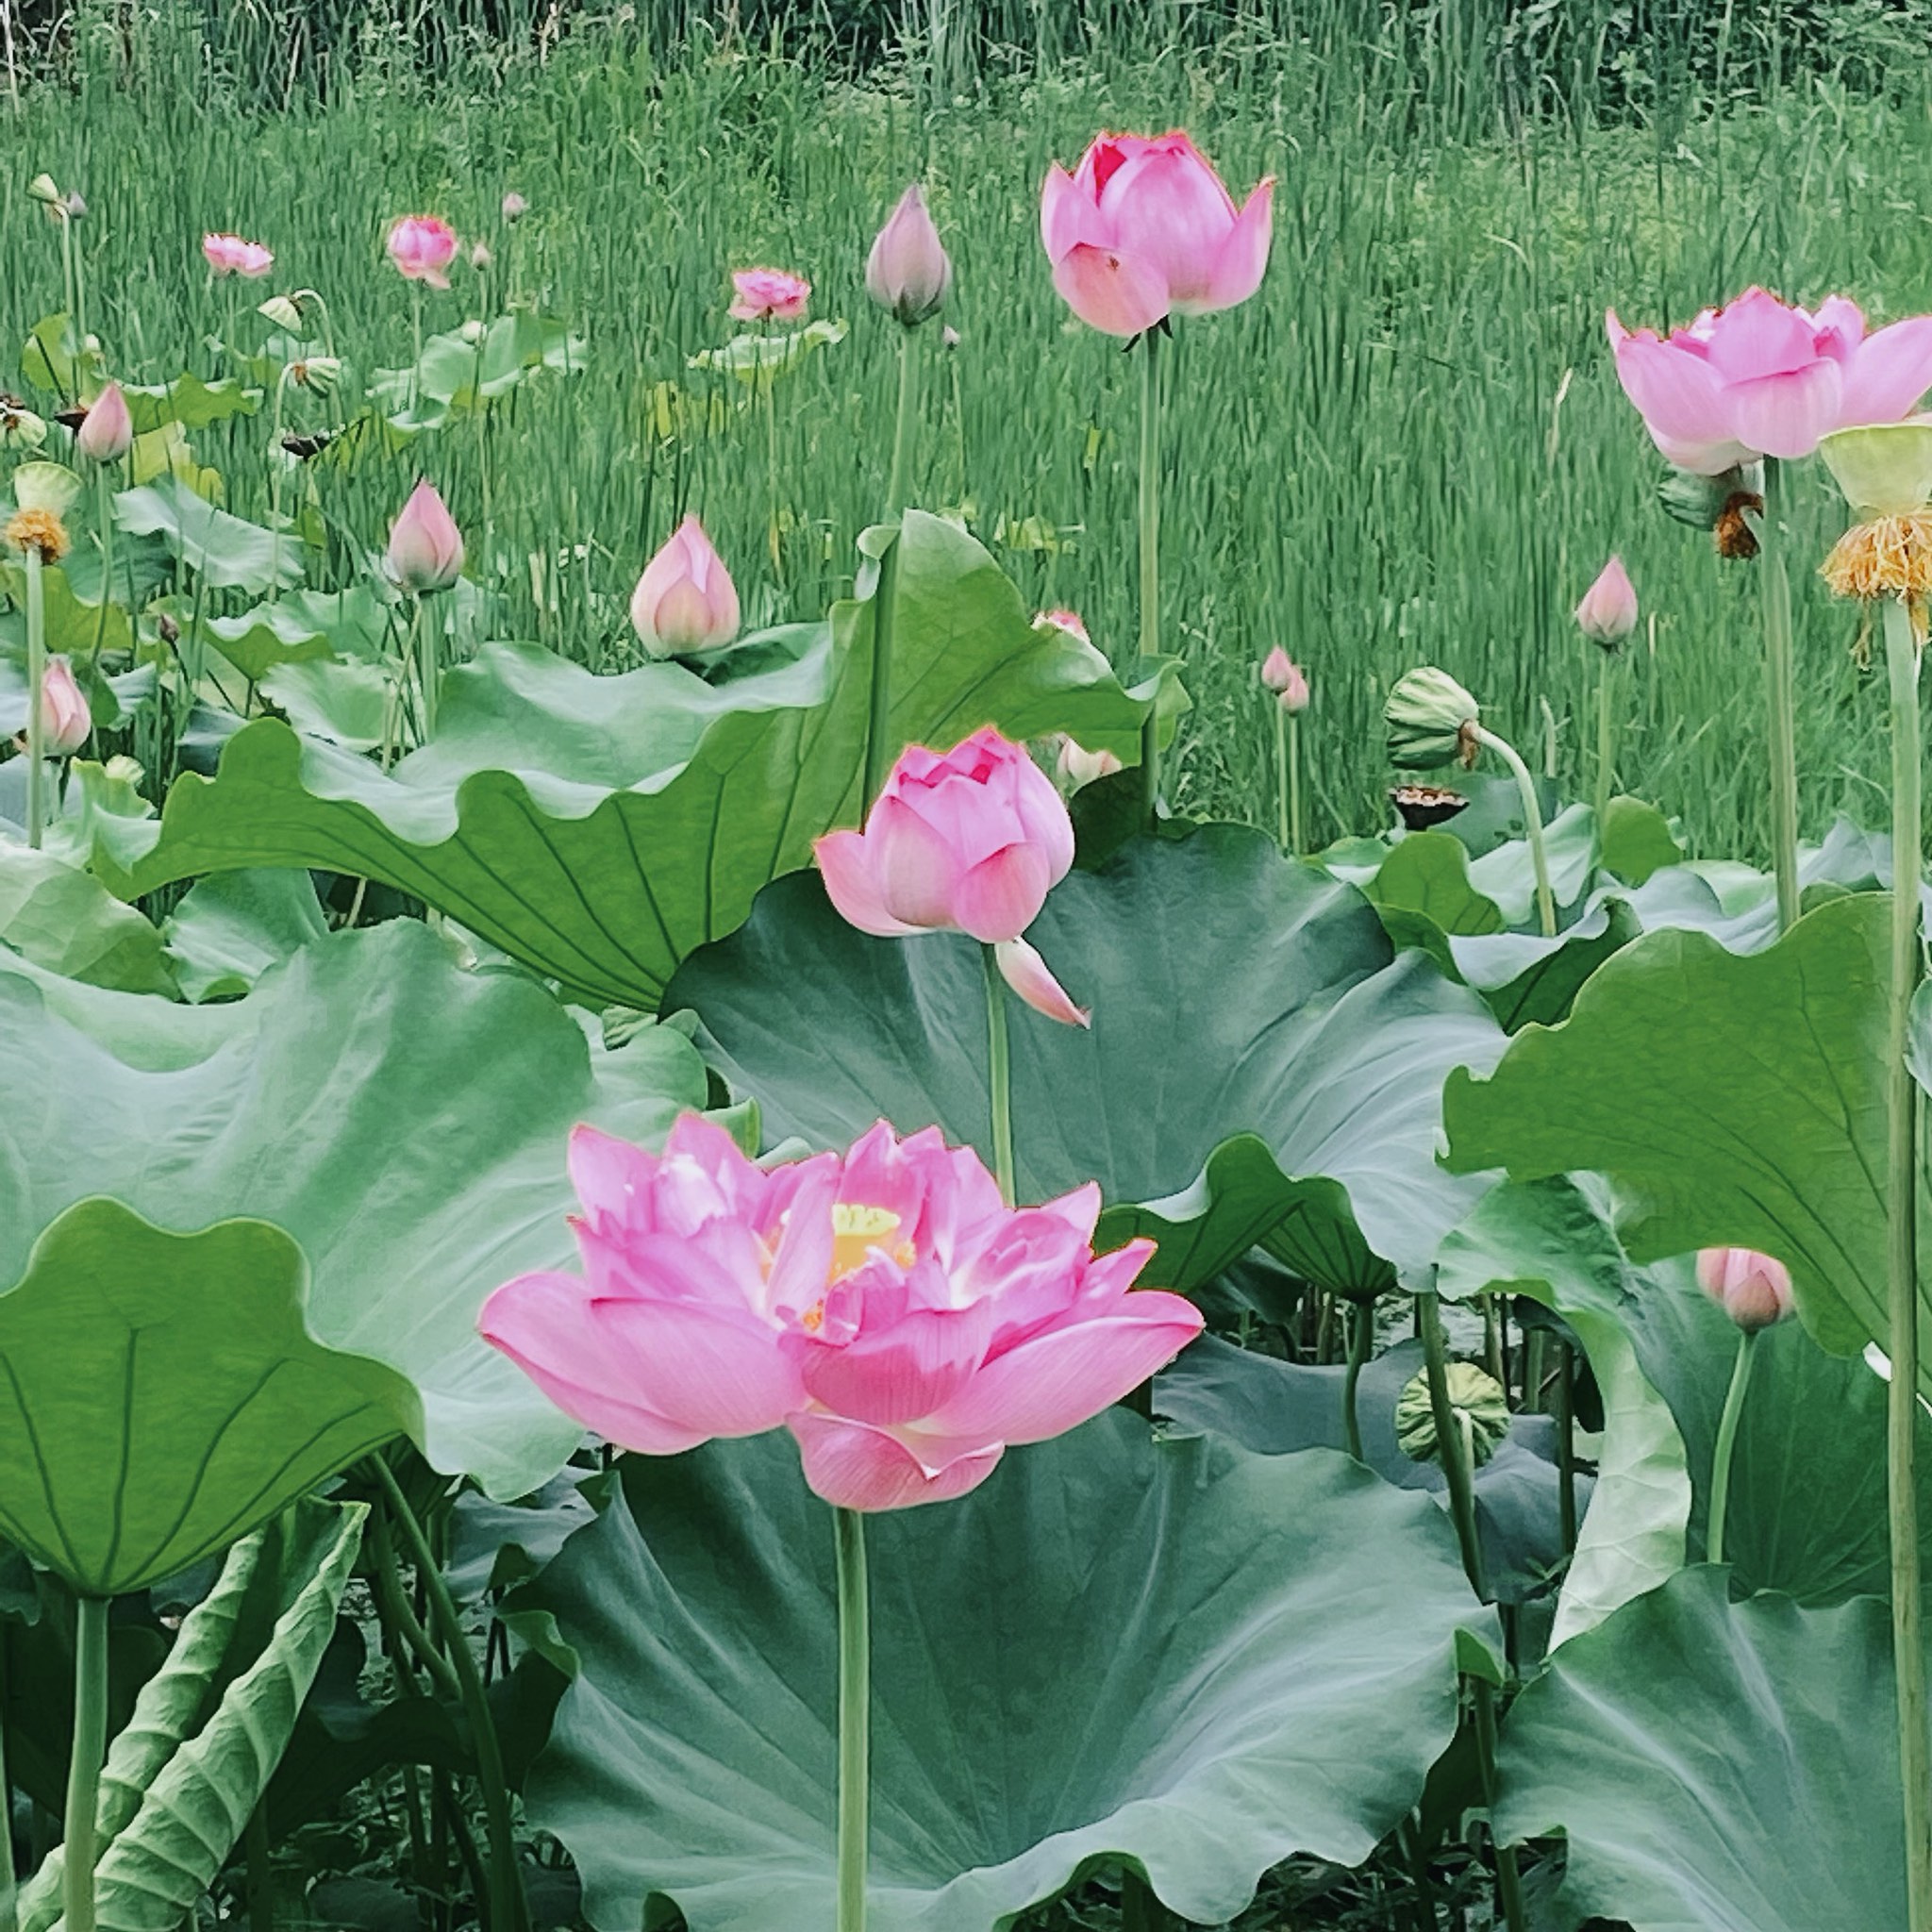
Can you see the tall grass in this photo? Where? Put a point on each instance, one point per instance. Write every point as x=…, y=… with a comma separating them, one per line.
x=1409, y=447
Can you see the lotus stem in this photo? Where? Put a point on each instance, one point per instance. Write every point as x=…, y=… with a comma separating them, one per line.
x=1533, y=1350
x=416, y=337
x=84, y=1766
x=36, y=703
x=1294, y=784
x=1450, y=1444
x=1606, y=738
x=260, y=1871
x=1361, y=1339
x=1141, y=1912
x=1780, y=697
x=855, y=1719
x=1566, y=1448
x=1902, y=1402
x=1723, y=1454
x=9, y=1916
x=1000, y=1074
x=1150, y=561
x=426, y=668
x=879, y=750
x=1509, y=1880
x=1284, y=832
x=508, y=1911
x=1532, y=819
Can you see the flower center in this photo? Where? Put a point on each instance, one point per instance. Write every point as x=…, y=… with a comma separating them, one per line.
x=857, y=1230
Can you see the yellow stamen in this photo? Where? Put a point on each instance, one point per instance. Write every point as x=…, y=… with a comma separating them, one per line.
x=1890, y=557
x=857, y=1230
x=40, y=531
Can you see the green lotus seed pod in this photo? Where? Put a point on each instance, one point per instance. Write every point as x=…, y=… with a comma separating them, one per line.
x=284, y=313
x=1426, y=713
x=1481, y=1407
x=1884, y=469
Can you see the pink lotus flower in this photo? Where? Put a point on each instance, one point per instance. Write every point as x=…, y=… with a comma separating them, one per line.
x=426, y=548
x=1078, y=766
x=769, y=295
x=1753, y=1290
x=685, y=601
x=1755, y=378
x=883, y=1304
x=422, y=247
x=1608, y=611
x=228, y=254
x=107, y=431
x=1144, y=229
x=64, y=718
x=1285, y=679
x=967, y=840
x=1068, y=621
x=908, y=270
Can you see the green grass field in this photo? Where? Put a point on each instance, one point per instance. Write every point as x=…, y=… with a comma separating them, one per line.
x=1411, y=447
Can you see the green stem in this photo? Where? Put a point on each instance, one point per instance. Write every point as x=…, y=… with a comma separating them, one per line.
x=1606, y=738
x=1361, y=1339
x=276, y=454
x=1780, y=697
x=898, y=481
x=1726, y=1445
x=1282, y=833
x=426, y=668
x=1150, y=560
x=1509, y=1880
x=36, y=699
x=855, y=1719
x=84, y=1766
x=1532, y=819
x=103, y=490
x=8, y=1891
x=1449, y=1441
x=1908, y=1655
x=416, y=333
x=1294, y=784
x=507, y=1912
x=879, y=750
x=260, y=1871
x=1533, y=1349
x=1566, y=1444
x=1141, y=1912
x=1000, y=1074
x=483, y=456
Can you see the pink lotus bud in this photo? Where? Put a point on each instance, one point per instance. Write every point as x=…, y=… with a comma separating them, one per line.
x=1285, y=679
x=908, y=270
x=422, y=247
x=1753, y=1290
x=514, y=207
x=1079, y=767
x=1068, y=621
x=685, y=601
x=769, y=295
x=107, y=431
x=426, y=548
x=1608, y=611
x=228, y=254
x=480, y=257
x=1144, y=229
x=64, y=720
x=1026, y=973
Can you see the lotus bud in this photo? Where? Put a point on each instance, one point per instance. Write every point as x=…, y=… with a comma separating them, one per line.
x=1426, y=713
x=321, y=374
x=426, y=548
x=514, y=207
x=480, y=256
x=908, y=270
x=107, y=432
x=1068, y=621
x=1285, y=679
x=471, y=332
x=64, y=720
x=1753, y=1290
x=1079, y=767
x=1475, y=1399
x=284, y=312
x=685, y=601
x=1607, y=613
x=949, y=336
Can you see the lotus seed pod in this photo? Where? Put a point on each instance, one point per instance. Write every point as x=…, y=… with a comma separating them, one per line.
x=1427, y=713
x=1476, y=1398
x=284, y=313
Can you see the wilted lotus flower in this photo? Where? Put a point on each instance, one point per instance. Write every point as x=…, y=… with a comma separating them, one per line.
x=769, y=295
x=967, y=840
x=1285, y=679
x=426, y=548
x=107, y=432
x=685, y=601
x=1885, y=471
x=64, y=718
x=908, y=270
x=422, y=247
x=1077, y=766
x=228, y=254
x=1425, y=715
x=1144, y=229
x=1607, y=613
x=883, y=1304
x=1753, y=1290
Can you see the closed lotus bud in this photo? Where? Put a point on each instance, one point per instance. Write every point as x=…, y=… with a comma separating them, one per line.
x=480, y=256
x=107, y=433
x=426, y=548
x=64, y=721
x=1285, y=679
x=949, y=336
x=514, y=207
x=685, y=601
x=1068, y=621
x=1425, y=715
x=908, y=270
x=284, y=312
x=1475, y=1399
x=1753, y=1290
x=1608, y=611
x=1077, y=766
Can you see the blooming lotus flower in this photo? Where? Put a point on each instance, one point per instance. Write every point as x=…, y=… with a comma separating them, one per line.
x=967, y=840
x=107, y=431
x=883, y=1304
x=64, y=718
x=1078, y=766
x=228, y=254
x=1753, y=1290
x=685, y=601
x=422, y=247
x=1068, y=621
x=426, y=548
x=908, y=270
x=1608, y=611
x=1757, y=378
x=1144, y=228
x=1285, y=679
x=769, y=295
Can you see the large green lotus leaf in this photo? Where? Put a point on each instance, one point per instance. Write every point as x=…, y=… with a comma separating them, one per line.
x=160, y=1395
x=600, y=828
x=65, y=920
x=227, y=552
x=405, y=1125
x=228, y=930
x=1297, y=1107
x=1730, y=1099
x=1169, y=1650
x=1718, y=1766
